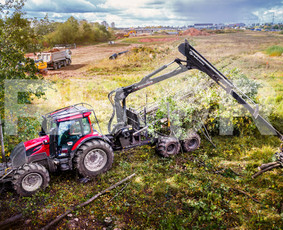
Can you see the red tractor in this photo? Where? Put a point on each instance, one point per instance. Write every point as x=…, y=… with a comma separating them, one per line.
x=67, y=140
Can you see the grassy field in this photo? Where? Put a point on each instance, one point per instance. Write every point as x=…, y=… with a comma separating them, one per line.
x=210, y=188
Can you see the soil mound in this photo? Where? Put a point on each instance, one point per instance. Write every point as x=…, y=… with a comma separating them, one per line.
x=195, y=32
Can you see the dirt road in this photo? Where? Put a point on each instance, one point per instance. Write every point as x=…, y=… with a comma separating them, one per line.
x=85, y=56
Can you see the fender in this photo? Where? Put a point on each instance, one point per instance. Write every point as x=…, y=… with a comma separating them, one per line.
x=76, y=147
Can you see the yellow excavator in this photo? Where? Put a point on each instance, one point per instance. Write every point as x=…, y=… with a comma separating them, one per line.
x=130, y=32
x=41, y=66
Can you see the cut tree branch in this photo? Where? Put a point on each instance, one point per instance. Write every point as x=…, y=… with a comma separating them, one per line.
x=249, y=196
x=58, y=218
x=264, y=169
x=4, y=224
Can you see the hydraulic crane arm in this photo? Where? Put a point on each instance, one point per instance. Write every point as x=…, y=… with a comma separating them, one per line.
x=194, y=60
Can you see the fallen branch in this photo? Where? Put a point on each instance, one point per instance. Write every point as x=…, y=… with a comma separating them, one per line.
x=118, y=193
x=264, y=166
x=264, y=169
x=240, y=191
x=58, y=218
x=11, y=220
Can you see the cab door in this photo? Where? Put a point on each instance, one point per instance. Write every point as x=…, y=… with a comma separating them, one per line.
x=69, y=132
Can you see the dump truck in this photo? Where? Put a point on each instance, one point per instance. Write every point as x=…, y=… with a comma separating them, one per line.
x=56, y=58
x=69, y=141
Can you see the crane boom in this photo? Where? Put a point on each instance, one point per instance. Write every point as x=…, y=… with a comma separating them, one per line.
x=194, y=60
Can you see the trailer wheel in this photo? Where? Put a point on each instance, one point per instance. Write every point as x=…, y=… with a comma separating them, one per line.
x=64, y=63
x=55, y=66
x=30, y=178
x=167, y=147
x=93, y=158
x=191, y=143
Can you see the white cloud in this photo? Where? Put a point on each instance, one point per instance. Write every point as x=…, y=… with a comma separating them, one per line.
x=157, y=12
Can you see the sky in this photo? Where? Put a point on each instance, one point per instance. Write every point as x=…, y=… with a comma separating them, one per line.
x=132, y=13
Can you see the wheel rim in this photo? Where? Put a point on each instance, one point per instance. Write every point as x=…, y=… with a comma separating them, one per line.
x=193, y=143
x=32, y=182
x=95, y=160
x=171, y=148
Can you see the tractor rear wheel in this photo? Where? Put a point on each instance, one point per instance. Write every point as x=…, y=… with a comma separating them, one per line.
x=167, y=147
x=191, y=143
x=30, y=178
x=93, y=158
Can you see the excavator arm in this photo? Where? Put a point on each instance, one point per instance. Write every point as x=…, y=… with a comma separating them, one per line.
x=194, y=60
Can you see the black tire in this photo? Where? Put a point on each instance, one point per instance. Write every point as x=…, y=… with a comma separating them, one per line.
x=30, y=178
x=55, y=66
x=191, y=143
x=65, y=63
x=167, y=147
x=93, y=158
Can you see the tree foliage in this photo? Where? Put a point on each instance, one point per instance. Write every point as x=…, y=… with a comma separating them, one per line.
x=74, y=31
x=198, y=100
x=16, y=38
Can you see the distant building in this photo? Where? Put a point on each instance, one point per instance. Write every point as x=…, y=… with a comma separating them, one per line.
x=237, y=25
x=219, y=26
x=104, y=23
x=203, y=26
x=112, y=24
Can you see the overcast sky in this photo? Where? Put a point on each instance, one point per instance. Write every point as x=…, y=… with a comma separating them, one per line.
x=126, y=13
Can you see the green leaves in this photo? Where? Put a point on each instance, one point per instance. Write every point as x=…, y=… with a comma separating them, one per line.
x=72, y=31
x=196, y=99
x=16, y=38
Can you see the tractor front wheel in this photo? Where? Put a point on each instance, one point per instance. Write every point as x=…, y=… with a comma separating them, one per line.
x=167, y=147
x=30, y=178
x=93, y=158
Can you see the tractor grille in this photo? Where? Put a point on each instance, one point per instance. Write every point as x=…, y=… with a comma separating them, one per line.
x=18, y=156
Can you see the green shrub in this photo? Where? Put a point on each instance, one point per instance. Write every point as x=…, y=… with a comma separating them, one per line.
x=198, y=100
x=274, y=50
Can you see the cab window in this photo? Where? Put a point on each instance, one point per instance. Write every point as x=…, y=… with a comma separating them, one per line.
x=69, y=131
x=86, y=126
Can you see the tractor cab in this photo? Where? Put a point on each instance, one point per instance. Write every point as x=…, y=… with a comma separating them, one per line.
x=67, y=127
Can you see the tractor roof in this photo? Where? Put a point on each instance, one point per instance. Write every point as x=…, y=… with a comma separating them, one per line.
x=71, y=112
